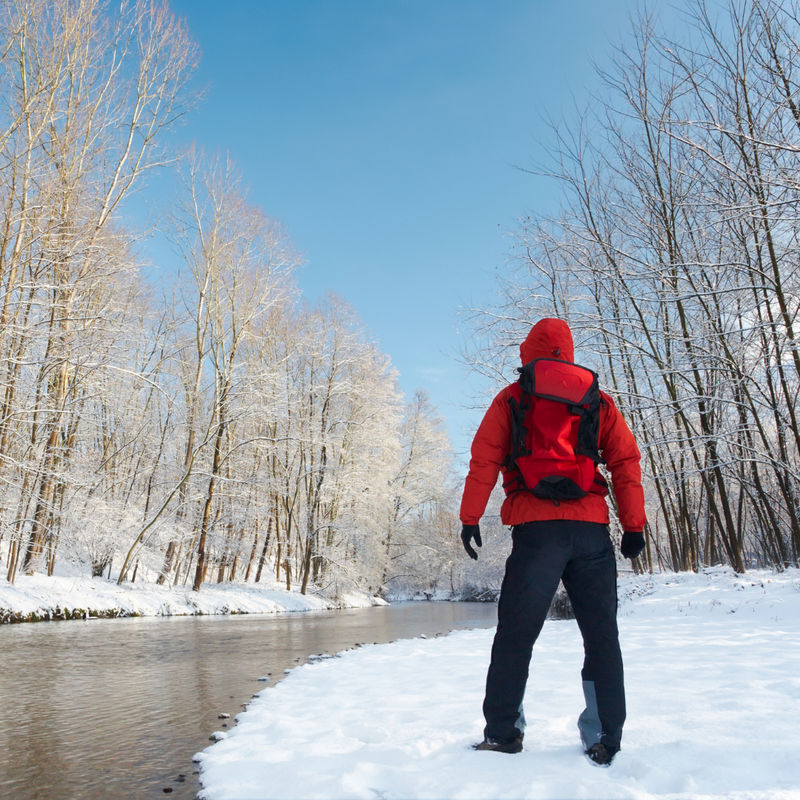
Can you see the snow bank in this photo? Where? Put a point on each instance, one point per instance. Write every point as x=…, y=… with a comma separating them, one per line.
x=713, y=694
x=759, y=595
x=36, y=597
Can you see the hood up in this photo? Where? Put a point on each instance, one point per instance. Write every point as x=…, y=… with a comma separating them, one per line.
x=549, y=338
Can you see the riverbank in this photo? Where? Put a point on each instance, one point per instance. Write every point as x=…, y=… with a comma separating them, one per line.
x=711, y=674
x=35, y=598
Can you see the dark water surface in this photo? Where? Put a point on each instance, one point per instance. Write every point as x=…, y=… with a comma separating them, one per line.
x=117, y=708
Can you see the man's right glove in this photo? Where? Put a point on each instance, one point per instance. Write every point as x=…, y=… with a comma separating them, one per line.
x=632, y=544
x=469, y=532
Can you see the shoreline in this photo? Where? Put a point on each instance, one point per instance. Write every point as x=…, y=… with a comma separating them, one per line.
x=39, y=598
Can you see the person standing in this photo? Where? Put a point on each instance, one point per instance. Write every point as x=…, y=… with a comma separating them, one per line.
x=559, y=531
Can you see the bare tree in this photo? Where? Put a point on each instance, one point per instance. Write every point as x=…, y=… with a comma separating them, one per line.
x=674, y=257
x=89, y=97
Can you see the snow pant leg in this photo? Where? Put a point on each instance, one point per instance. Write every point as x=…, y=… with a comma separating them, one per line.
x=533, y=569
x=590, y=579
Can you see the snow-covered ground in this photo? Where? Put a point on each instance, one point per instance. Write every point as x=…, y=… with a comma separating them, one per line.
x=37, y=597
x=713, y=705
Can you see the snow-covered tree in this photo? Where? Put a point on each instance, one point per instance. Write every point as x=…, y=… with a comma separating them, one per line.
x=674, y=258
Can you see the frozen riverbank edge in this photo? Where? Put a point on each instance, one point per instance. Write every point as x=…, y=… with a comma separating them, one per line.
x=711, y=673
x=37, y=598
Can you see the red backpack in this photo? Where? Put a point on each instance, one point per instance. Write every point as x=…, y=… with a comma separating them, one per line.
x=555, y=425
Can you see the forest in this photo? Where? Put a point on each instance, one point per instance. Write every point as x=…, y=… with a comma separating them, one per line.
x=208, y=424
x=674, y=256
x=199, y=424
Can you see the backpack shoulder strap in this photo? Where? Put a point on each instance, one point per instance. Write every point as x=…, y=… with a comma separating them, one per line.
x=519, y=432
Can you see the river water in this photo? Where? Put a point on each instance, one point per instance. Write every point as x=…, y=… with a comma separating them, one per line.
x=117, y=708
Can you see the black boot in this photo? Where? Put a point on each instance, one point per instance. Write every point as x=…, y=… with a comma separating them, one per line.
x=602, y=755
x=512, y=746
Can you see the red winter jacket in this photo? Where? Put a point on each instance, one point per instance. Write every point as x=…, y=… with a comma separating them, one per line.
x=552, y=338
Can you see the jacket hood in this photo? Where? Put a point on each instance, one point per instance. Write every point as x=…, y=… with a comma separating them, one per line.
x=549, y=338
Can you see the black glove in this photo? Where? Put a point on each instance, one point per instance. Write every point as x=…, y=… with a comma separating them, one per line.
x=469, y=532
x=632, y=544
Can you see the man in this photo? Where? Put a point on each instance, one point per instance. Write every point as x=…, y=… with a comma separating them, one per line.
x=555, y=539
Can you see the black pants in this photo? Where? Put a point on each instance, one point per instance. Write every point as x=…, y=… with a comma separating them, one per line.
x=580, y=554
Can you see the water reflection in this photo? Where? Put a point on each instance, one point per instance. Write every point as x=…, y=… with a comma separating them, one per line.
x=117, y=708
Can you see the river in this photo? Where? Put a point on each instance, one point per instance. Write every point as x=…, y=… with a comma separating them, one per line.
x=117, y=708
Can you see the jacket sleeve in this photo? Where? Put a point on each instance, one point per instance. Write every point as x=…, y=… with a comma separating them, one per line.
x=491, y=445
x=622, y=458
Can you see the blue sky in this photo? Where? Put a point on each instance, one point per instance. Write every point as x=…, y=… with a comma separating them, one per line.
x=386, y=136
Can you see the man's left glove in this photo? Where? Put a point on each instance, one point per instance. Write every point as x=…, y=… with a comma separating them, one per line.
x=632, y=544
x=469, y=532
